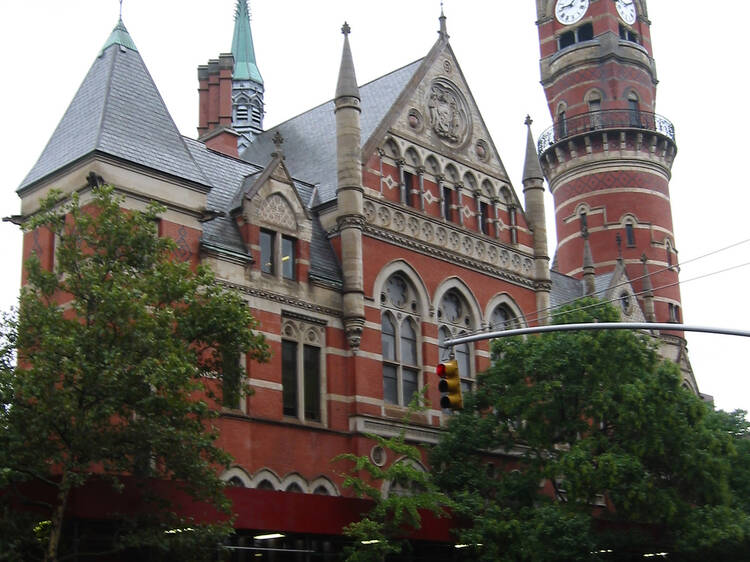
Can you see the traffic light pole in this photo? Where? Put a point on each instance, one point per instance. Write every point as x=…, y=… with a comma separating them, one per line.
x=596, y=326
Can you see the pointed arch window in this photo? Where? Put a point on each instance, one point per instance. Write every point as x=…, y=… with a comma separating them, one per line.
x=503, y=318
x=455, y=318
x=399, y=341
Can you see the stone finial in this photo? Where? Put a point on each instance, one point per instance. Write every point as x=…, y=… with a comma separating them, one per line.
x=347, y=82
x=278, y=140
x=532, y=169
x=443, y=27
x=618, y=241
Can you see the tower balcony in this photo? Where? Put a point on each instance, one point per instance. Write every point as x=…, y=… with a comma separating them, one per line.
x=602, y=121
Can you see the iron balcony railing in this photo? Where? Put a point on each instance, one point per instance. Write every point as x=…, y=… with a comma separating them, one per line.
x=602, y=120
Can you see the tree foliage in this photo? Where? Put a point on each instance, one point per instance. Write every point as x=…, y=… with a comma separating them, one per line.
x=123, y=356
x=597, y=448
x=383, y=531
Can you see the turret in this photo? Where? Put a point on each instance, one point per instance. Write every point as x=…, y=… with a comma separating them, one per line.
x=231, y=92
x=247, y=83
x=533, y=191
x=349, y=193
x=608, y=156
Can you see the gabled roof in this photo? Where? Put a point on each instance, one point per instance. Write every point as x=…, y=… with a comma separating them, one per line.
x=118, y=111
x=230, y=177
x=310, y=138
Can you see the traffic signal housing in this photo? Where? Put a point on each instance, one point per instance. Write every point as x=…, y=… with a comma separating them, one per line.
x=450, y=385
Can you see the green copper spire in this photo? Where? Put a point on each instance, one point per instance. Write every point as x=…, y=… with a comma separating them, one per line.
x=120, y=36
x=242, y=46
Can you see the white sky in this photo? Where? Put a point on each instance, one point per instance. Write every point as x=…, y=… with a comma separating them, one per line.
x=48, y=46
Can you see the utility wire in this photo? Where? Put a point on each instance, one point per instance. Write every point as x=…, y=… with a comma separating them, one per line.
x=535, y=316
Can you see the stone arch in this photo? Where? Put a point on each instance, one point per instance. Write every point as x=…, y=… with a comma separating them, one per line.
x=405, y=269
x=504, y=299
x=392, y=149
x=266, y=475
x=594, y=94
x=470, y=181
x=454, y=283
x=412, y=157
x=506, y=196
x=628, y=218
x=294, y=480
x=389, y=487
x=488, y=189
x=452, y=173
x=321, y=482
x=432, y=165
x=237, y=476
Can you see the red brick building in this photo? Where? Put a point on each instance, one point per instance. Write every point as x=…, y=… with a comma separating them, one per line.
x=366, y=231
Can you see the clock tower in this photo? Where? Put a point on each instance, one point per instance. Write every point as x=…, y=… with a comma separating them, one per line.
x=608, y=155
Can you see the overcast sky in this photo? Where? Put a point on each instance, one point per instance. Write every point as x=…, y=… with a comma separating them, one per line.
x=48, y=46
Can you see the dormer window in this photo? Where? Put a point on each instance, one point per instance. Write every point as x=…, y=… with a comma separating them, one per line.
x=281, y=264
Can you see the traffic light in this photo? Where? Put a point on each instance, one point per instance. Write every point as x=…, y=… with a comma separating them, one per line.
x=450, y=384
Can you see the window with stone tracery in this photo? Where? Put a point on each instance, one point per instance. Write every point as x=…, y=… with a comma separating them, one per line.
x=400, y=330
x=455, y=319
x=302, y=378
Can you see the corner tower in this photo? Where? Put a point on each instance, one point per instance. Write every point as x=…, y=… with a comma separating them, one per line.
x=608, y=156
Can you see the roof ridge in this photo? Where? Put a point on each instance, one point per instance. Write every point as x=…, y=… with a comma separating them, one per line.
x=107, y=95
x=331, y=100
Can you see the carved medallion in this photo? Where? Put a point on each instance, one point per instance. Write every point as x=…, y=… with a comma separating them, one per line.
x=449, y=112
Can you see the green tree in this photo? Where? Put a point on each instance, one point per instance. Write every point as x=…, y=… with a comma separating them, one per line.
x=385, y=528
x=125, y=355
x=598, y=449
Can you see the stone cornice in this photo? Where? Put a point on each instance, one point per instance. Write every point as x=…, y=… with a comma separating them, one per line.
x=447, y=242
x=282, y=299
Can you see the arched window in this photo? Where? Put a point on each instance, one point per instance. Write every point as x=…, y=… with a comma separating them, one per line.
x=295, y=488
x=455, y=318
x=561, y=127
x=399, y=341
x=629, y=234
x=634, y=110
x=595, y=108
x=503, y=318
x=265, y=485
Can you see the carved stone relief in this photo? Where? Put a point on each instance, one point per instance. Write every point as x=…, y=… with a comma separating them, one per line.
x=276, y=210
x=449, y=113
x=424, y=230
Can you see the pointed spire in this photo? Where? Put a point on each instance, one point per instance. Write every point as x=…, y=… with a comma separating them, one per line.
x=647, y=292
x=245, y=67
x=120, y=36
x=589, y=285
x=531, y=168
x=347, y=84
x=443, y=28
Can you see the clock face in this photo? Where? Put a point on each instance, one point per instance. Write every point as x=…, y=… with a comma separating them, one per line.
x=570, y=11
x=396, y=290
x=626, y=9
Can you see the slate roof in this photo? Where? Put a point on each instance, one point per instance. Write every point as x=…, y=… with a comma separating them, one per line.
x=118, y=111
x=310, y=138
x=565, y=289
